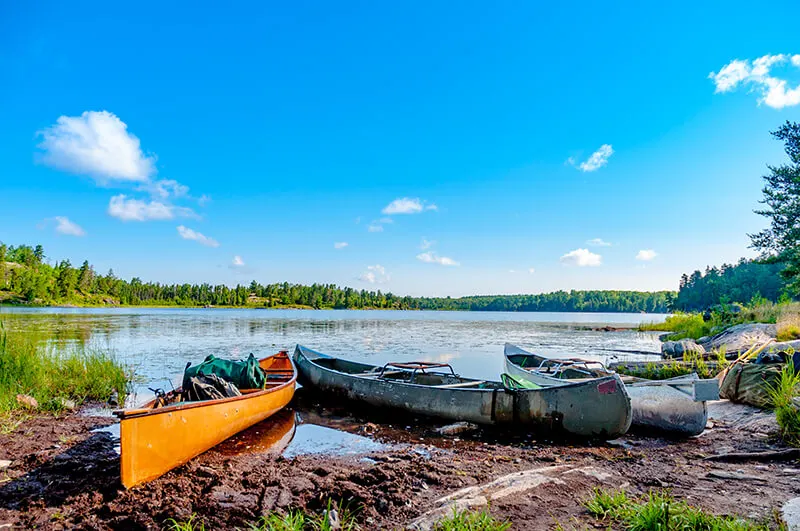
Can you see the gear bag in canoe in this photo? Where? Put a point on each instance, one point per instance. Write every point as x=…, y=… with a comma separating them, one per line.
x=243, y=374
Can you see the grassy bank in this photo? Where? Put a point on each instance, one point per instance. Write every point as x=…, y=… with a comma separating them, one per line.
x=659, y=510
x=54, y=374
x=785, y=398
x=694, y=326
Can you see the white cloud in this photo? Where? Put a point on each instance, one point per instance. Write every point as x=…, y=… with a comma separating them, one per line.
x=598, y=242
x=645, y=255
x=374, y=227
x=407, y=205
x=773, y=91
x=582, y=258
x=385, y=221
x=130, y=209
x=96, y=144
x=426, y=244
x=65, y=226
x=188, y=234
x=340, y=245
x=166, y=188
x=237, y=261
x=511, y=271
x=433, y=258
x=531, y=270
x=597, y=160
x=375, y=274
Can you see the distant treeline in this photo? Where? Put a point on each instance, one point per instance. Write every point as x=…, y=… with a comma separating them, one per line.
x=26, y=277
x=743, y=282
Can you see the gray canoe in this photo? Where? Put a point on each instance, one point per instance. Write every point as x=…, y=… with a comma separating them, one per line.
x=676, y=405
x=599, y=408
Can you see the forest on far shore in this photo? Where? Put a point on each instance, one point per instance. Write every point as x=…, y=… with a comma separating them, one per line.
x=26, y=277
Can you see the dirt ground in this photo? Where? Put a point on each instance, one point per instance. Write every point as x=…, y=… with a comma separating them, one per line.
x=65, y=476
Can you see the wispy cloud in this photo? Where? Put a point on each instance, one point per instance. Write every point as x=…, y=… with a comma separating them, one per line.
x=582, y=258
x=433, y=258
x=96, y=144
x=237, y=261
x=598, y=242
x=375, y=274
x=66, y=226
x=407, y=205
x=597, y=160
x=130, y=209
x=166, y=188
x=531, y=270
x=340, y=245
x=772, y=91
x=375, y=227
x=188, y=234
x=426, y=244
x=646, y=255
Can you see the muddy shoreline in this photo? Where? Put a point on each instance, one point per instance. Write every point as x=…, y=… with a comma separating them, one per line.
x=64, y=475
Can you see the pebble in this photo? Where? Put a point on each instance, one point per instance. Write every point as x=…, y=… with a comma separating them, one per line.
x=28, y=401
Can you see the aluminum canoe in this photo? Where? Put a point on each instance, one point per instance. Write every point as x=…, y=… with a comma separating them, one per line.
x=595, y=409
x=676, y=405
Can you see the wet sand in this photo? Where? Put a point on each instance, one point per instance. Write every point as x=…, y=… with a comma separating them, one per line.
x=64, y=473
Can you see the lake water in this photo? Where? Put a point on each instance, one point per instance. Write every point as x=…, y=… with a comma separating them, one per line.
x=158, y=343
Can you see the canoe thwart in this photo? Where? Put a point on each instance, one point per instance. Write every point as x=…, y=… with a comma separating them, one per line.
x=462, y=384
x=415, y=366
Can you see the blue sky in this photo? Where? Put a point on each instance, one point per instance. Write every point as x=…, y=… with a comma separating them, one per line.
x=165, y=139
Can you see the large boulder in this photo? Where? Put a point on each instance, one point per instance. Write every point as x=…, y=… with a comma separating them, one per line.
x=739, y=338
x=677, y=349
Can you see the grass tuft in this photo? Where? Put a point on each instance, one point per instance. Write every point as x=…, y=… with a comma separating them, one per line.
x=192, y=524
x=659, y=511
x=471, y=521
x=785, y=397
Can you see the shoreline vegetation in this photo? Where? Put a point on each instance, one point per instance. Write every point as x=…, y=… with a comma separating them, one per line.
x=42, y=376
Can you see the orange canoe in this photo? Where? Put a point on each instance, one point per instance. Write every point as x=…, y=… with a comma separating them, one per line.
x=154, y=440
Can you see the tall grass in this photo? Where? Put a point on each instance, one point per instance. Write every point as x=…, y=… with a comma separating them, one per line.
x=658, y=511
x=785, y=397
x=53, y=373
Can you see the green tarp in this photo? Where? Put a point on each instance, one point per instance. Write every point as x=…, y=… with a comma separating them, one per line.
x=749, y=383
x=243, y=374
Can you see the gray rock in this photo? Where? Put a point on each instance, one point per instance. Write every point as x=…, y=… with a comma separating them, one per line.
x=739, y=338
x=676, y=349
x=4, y=463
x=67, y=404
x=791, y=514
x=456, y=428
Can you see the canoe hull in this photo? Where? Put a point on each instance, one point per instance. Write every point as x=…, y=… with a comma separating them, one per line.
x=600, y=410
x=159, y=440
x=662, y=407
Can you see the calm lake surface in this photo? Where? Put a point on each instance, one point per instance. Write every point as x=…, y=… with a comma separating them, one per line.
x=158, y=343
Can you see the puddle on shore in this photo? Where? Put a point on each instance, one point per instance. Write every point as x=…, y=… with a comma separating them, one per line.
x=287, y=434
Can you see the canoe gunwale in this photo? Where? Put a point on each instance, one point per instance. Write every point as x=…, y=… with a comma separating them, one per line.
x=147, y=410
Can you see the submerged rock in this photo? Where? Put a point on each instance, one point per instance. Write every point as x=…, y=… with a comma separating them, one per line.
x=791, y=514
x=677, y=349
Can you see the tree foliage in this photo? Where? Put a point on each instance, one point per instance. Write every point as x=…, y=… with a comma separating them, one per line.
x=741, y=282
x=780, y=242
x=34, y=280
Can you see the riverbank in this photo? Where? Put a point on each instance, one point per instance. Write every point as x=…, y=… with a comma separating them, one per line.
x=64, y=475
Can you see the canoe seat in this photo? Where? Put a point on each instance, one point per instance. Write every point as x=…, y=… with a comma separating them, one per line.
x=463, y=384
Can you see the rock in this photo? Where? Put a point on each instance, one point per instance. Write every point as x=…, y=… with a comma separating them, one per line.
x=113, y=400
x=791, y=514
x=28, y=401
x=456, y=428
x=67, y=404
x=677, y=349
x=741, y=337
x=4, y=463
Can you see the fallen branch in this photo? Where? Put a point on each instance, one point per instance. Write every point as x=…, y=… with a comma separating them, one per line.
x=777, y=455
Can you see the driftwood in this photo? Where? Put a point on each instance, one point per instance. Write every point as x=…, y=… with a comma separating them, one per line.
x=777, y=455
